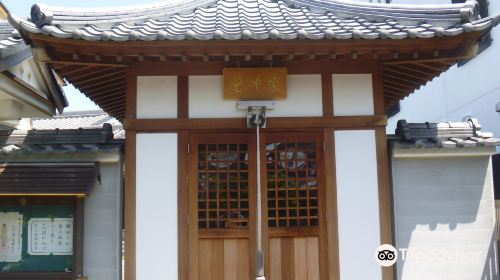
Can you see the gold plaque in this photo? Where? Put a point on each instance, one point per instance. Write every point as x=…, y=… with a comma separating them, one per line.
x=255, y=83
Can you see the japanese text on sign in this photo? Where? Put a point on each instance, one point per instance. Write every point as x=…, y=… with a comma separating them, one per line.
x=11, y=225
x=48, y=236
x=255, y=83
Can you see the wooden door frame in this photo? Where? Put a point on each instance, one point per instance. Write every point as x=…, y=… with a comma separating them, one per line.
x=222, y=137
x=193, y=138
x=310, y=135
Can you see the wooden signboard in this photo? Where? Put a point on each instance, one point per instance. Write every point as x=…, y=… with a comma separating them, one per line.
x=255, y=83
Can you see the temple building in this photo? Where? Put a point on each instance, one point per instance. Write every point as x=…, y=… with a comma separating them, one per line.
x=255, y=133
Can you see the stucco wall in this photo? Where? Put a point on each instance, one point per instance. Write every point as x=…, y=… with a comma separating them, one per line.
x=102, y=226
x=156, y=97
x=206, y=98
x=357, y=203
x=444, y=216
x=156, y=206
x=352, y=95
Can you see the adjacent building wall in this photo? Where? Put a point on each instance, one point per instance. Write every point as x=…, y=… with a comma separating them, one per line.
x=444, y=217
x=103, y=225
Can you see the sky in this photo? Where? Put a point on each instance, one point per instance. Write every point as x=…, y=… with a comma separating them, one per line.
x=77, y=101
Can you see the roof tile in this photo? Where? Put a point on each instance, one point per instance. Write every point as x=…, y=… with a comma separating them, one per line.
x=259, y=20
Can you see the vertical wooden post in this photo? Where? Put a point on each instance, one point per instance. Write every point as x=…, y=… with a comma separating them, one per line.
x=331, y=205
x=384, y=189
x=327, y=89
x=78, y=242
x=130, y=177
x=183, y=97
x=183, y=178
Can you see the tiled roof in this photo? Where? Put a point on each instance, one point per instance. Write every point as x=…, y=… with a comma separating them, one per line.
x=257, y=19
x=442, y=135
x=10, y=40
x=83, y=119
x=59, y=141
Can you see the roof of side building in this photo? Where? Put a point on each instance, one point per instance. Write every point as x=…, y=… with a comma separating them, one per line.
x=442, y=135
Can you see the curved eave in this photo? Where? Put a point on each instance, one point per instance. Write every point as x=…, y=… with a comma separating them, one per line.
x=97, y=68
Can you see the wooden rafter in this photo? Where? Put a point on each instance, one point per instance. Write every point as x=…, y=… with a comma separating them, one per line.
x=98, y=68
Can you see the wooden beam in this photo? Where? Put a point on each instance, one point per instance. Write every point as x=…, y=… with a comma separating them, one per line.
x=106, y=97
x=183, y=97
x=378, y=91
x=452, y=59
x=92, y=72
x=73, y=69
x=120, y=77
x=354, y=122
x=131, y=94
x=86, y=63
x=397, y=87
x=327, y=94
x=417, y=70
x=258, y=47
x=81, y=71
x=105, y=88
x=90, y=77
x=417, y=78
x=193, y=68
x=430, y=67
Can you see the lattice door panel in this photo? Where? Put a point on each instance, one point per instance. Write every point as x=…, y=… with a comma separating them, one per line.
x=223, y=191
x=292, y=183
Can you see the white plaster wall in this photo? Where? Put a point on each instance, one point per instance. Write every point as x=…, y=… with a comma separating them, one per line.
x=156, y=97
x=358, y=205
x=472, y=89
x=102, y=226
x=444, y=216
x=305, y=98
x=206, y=98
x=352, y=94
x=156, y=206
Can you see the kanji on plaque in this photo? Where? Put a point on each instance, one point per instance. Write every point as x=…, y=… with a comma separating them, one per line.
x=255, y=83
x=47, y=236
x=11, y=226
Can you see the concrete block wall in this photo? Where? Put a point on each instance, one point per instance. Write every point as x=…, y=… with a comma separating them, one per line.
x=102, y=226
x=444, y=217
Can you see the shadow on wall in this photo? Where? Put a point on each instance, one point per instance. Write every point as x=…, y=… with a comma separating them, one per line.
x=491, y=265
x=444, y=216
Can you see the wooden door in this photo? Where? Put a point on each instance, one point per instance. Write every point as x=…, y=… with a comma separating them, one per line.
x=222, y=170
x=223, y=206
x=292, y=172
